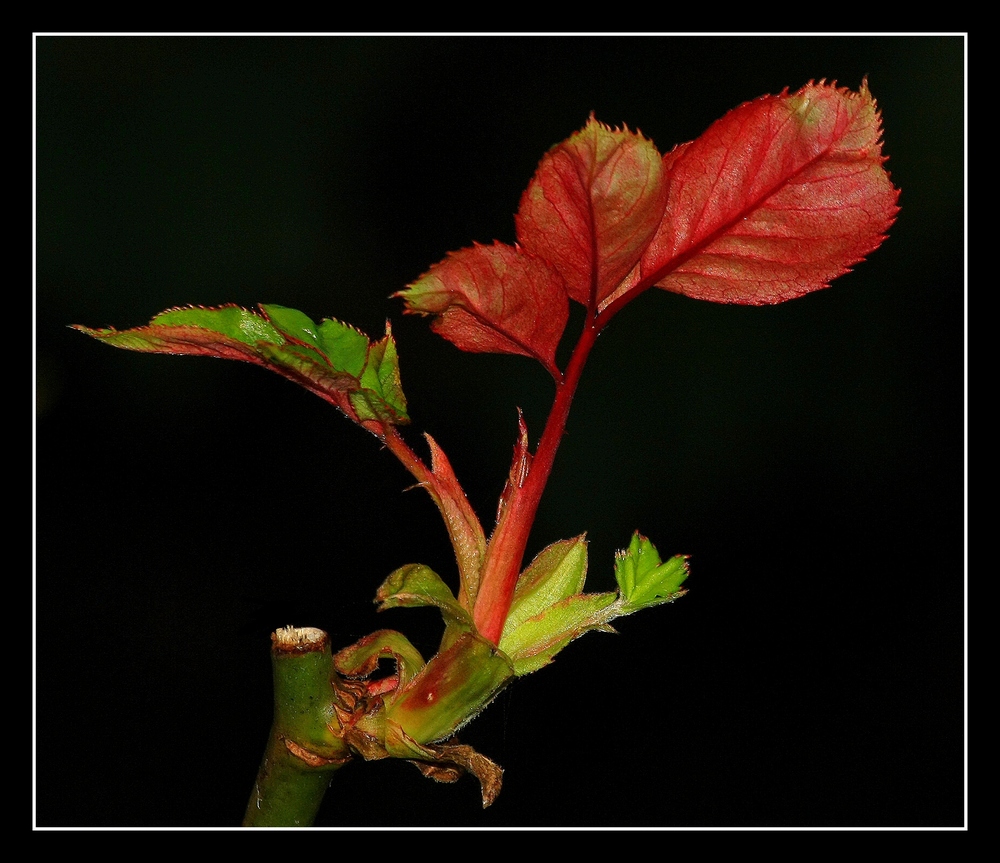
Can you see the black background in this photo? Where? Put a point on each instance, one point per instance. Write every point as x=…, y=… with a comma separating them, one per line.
x=808, y=456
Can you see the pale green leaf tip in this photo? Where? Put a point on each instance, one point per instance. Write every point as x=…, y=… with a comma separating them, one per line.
x=643, y=579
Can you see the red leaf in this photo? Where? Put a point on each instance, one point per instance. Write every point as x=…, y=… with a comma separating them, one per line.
x=494, y=299
x=777, y=198
x=594, y=203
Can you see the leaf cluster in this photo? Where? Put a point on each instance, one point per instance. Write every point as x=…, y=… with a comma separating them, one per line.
x=776, y=199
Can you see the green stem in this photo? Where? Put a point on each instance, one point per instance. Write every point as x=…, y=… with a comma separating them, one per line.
x=303, y=750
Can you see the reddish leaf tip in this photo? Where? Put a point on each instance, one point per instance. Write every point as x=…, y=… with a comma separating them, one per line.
x=494, y=299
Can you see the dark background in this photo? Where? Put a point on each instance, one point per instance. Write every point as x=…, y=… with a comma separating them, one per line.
x=808, y=456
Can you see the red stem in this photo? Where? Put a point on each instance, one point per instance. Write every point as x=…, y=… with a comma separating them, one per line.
x=409, y=459
x=509, y=540
x=505, y=553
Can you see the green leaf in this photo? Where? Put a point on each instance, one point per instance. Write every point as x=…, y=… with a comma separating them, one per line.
x=533, y=643
x=346, y=347
x=381, y=394
x=416, y=585
x=549, y=609
x=559, y=571
x=331, y=359
x=644, y=579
